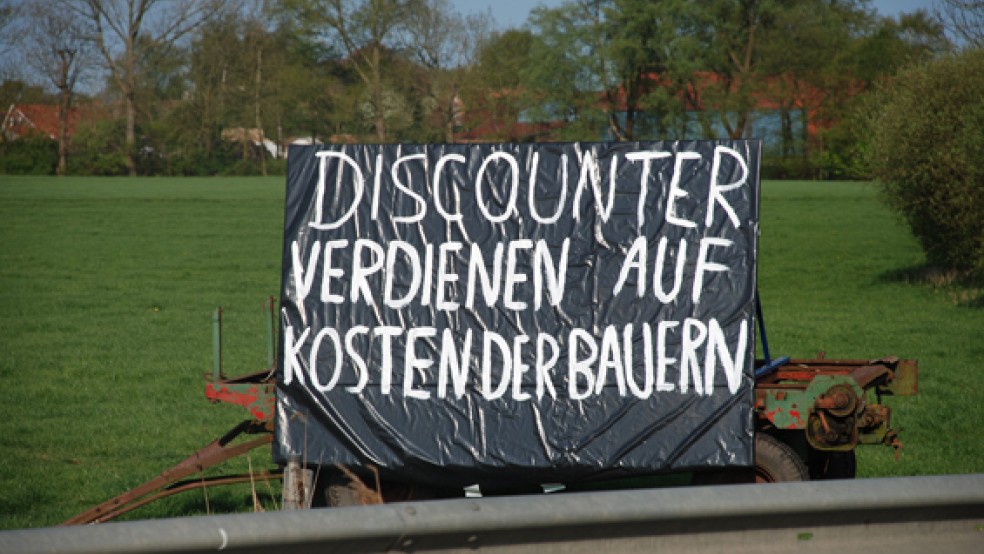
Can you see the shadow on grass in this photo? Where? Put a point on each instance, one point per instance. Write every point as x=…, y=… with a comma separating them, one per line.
x=961, y=287
x=232, y=501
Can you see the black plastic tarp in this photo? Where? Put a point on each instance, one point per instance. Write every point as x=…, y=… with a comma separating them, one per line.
x=519, y=313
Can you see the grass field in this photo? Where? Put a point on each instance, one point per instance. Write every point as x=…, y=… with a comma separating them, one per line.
x=107, y=288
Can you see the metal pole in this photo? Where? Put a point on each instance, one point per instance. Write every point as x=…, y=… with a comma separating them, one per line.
x=217, y=344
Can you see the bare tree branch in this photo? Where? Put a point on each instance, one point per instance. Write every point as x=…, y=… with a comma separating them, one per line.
x=964, y=19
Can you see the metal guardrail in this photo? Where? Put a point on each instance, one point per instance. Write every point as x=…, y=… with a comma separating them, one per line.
x=898, y=515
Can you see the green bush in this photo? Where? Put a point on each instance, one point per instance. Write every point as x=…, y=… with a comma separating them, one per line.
x=194, y=162
x=31, y=155
x=845, y=144
x=795, y=167
x=97, y=149
x=927, y=148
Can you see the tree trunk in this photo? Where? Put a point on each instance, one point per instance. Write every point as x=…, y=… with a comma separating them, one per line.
x=130, y=142
x=452, y=116
x=65, y=83
x=256, y=108
x=128, y=90
x=786, y=130
x=377, y=94
x=280, y=138
x=63, y=106
x=805, y=118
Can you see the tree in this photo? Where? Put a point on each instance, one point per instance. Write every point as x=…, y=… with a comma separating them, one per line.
x=254, y=76
x=890, y=44
x=306, y=86
x=57, y=48
x=124, y=31
x=444, y=43
x=366, y=31
x=256, y=42
x=573, y=75
x=733, y=57
x=570, y=75
x=652, y=47
x=624, y=68
x=875, y=49
x=493, y=93
x=804, y=68
x=440, y=37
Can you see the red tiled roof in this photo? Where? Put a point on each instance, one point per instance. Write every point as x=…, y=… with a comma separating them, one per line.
x=24, y=119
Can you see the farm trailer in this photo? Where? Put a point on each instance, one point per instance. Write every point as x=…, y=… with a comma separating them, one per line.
x=810, y=416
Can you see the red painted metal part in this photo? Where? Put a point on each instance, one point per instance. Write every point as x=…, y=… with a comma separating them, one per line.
x=259, y=398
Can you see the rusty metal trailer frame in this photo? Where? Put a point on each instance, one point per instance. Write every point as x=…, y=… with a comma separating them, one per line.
x=824, y=401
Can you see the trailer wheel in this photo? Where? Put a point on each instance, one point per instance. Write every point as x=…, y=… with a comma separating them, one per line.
x=832, y=465
x=776, y=462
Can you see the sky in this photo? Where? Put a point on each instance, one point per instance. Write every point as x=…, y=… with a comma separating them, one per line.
x=513, y=13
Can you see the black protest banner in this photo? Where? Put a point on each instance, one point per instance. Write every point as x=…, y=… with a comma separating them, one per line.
x=454, y=314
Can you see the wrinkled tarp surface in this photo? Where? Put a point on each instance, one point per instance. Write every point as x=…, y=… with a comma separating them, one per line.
x=519, y=313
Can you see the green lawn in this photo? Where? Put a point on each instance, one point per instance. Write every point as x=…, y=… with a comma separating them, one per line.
x=107, y=288
x=834, y=273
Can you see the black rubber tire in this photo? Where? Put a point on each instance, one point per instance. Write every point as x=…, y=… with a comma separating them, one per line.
x=776, y=462
x=833, y=465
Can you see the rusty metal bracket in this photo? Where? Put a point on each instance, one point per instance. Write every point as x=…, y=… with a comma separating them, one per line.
x=905, y=379
x=874, y=373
